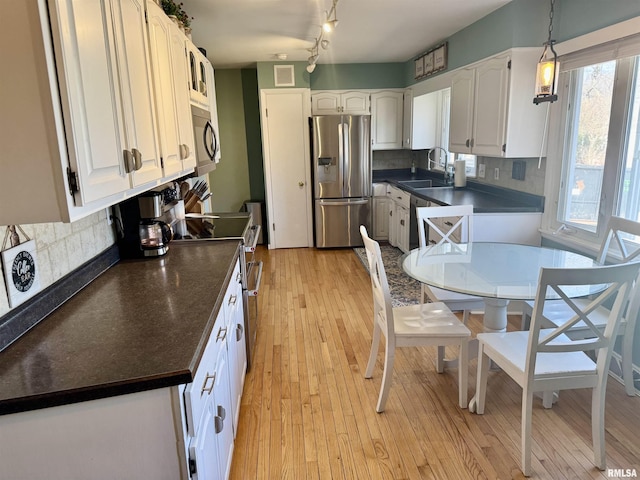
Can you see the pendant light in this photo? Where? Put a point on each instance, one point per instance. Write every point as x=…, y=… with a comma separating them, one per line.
x=547, y=71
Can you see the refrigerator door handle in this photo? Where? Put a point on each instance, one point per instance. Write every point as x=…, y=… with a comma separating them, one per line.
x=346, y=177
x=339, y=203
x=341, y=148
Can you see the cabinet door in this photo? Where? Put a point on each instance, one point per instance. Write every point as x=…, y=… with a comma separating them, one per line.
x=393, y=223
x=186, y=144
x=203, y=450
x=325, y=103
x=381, y=218
x=137, y=95
x=354, y=103
x=223, y=411
x=160, y=31
x=403, y=228
x=490, y=107
x=407, y=123
x=91, y=97
x=426, y=120
x=461, y=113
x=386, y=120
x=233, y=308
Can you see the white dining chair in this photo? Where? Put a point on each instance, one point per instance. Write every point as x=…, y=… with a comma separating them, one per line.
x=459, y=232
x=431, y=324
x=543, y=360
x=556, y=312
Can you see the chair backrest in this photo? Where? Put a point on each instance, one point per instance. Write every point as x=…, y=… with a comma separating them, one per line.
x=617, y=229
x=382, y=305
x=427, y=216
x=618, y=280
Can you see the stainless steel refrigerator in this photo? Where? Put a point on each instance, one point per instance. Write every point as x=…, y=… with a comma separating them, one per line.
x=342, y=179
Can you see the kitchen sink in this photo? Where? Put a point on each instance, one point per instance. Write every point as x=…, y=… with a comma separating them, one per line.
x=416, y=183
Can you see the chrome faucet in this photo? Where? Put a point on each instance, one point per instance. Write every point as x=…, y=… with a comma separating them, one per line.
x=448, y=172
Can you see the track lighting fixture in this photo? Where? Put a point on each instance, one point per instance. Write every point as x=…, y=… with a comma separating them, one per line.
x=330, y=24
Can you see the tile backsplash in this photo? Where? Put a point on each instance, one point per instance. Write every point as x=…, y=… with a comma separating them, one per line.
x=62, y=247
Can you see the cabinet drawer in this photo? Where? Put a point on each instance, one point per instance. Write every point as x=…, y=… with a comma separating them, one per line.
x=379, y=189
x=198, y=392
x=399, y=196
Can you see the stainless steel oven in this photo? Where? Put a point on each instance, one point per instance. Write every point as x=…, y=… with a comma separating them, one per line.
x=234, y=226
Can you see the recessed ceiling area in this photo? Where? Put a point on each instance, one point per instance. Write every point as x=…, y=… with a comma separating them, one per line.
x=239, y=33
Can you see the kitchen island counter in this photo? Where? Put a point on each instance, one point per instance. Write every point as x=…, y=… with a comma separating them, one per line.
x=141, y=325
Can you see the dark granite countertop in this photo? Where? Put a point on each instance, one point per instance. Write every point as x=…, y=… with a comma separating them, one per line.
x=484, y=198
x=140, y=325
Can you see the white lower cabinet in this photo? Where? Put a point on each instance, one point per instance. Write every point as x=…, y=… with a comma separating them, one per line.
x=399, y=221
x=380, y=212
x=182, y=432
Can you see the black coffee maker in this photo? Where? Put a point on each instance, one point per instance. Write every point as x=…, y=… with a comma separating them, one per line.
x=140, y=231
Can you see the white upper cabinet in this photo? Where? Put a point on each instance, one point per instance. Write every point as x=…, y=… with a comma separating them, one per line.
x=167, y=45
x=492, y=110
x=386, y=120
x=79, y=121
x=351, y=102
x=421, y=120
x=199, y=87
x=213, y=104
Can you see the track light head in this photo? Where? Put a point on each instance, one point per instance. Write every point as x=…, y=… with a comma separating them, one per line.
x=324, y=44
x=311, y=67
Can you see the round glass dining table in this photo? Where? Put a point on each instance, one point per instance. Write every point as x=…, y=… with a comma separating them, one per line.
x=498, y=272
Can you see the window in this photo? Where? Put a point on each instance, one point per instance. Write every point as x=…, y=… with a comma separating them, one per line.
x=600, y=149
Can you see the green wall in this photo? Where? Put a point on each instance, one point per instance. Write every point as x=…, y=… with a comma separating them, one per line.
x=253, y=133
x=358, y=75
x=230, y=180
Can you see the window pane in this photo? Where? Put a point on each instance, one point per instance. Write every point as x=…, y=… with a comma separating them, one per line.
x=587, y=144
x=629, y=196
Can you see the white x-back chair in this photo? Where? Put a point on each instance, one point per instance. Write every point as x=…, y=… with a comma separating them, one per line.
x=430, y=324
x=617, y=249
x=543, y=360
x=462, y=229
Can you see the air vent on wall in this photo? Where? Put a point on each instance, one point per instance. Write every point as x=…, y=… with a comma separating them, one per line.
x=284, y=76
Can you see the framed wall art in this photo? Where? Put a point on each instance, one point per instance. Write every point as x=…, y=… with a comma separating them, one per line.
x=21, y=270
x=440, y=58
x=419, y=64
x=428, y=63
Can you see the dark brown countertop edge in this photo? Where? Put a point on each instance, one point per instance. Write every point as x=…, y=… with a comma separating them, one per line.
x=128, y=386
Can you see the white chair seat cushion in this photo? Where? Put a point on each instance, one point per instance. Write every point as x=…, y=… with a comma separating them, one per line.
x=558, y=312
x=429, y=319
x=513, y=346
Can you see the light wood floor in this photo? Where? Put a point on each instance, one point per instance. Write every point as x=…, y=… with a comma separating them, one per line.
x=308, y=412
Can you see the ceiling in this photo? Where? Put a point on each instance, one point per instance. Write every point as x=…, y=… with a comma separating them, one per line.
x=239, y=33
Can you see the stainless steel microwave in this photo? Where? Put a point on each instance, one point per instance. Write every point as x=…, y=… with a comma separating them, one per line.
x=207, y=141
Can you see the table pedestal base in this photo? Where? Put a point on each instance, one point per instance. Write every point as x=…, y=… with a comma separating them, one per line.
x=495, y=315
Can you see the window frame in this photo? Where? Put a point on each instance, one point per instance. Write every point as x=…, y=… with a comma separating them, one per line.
x=559, y=129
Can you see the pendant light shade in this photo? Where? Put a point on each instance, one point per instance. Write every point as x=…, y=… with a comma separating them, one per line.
x=547, y=70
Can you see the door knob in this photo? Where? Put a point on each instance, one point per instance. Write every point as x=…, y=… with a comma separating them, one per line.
x=301, y=184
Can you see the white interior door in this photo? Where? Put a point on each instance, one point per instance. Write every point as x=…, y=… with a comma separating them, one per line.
x=285, y=137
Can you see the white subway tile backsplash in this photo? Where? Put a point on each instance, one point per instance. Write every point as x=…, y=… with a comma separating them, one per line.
x=62, y=247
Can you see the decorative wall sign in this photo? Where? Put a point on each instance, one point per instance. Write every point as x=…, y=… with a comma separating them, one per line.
x=419, y=63
x=434, y=60
x=21, y=271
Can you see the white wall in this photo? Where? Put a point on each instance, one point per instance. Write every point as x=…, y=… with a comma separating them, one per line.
x=62, y=247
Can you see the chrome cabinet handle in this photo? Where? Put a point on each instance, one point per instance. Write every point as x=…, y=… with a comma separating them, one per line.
x=472, y=142
x=222, y=413
x=218, y=424
x=209, y=389
x=448, y=224
x=137, y=158
x=184, y=151
x=222, y=334
x=232, y=300
x=128, y=161
x=402, y=222
x=467, y=143
x=239, y=332
x=238, y=277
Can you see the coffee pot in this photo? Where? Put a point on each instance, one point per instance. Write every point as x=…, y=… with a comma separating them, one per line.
x=154, y=237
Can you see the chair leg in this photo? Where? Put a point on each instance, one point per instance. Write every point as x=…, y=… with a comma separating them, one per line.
x=627, y=363
x=527, y=409
x=481, y=378
x=440, y=359
x=424, y=298
x=463, y=374
x=375, y=343
x=525, y=322
x=547, y=399
x=465, y=317
x=597, y=426
x=387, y=375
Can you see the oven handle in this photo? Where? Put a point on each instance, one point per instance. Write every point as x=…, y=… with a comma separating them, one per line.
x=252, y=248
x=253, y=292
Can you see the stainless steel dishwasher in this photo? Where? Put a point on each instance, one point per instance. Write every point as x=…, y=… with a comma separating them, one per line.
x=415, y=202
